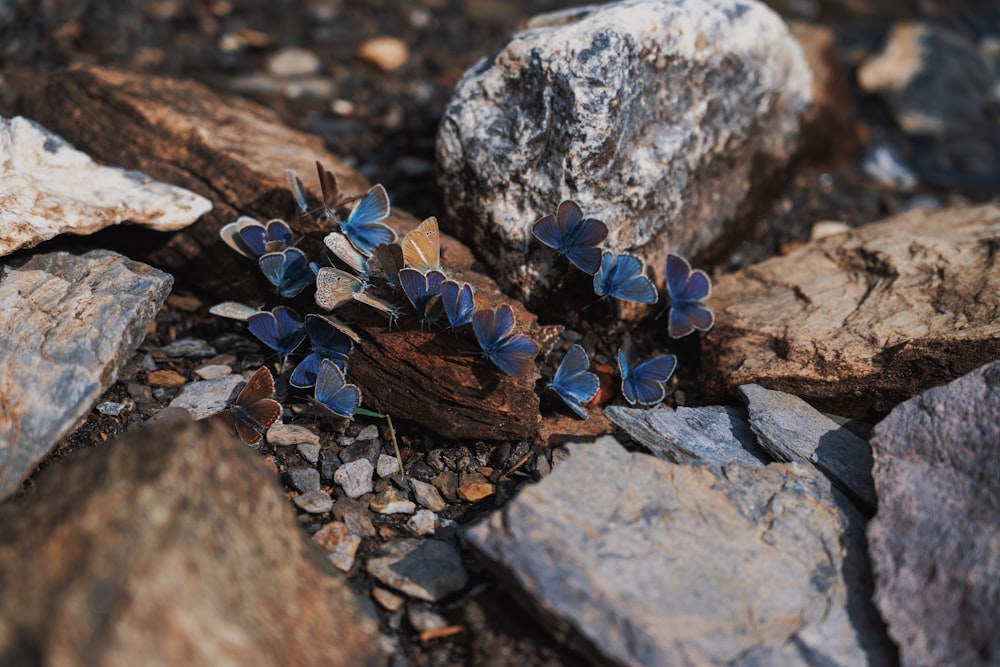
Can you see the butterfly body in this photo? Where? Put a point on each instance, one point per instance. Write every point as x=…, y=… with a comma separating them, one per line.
x=570, y=234
x=459, y=303
x=573, y=381
x=511, y=352
x=252, y=239
x=423, y=289
x=687, y=290
x=288, y=270
x=422, y=247
x=623, y=277
x=364, y=226
x=645, y=384
x=254, y=410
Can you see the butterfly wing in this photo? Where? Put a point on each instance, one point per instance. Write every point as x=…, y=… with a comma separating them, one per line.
x=573, y=382
x=678, y=271
x=494, y=331
x=623, y=277
x=281, y=330
x=278, y=236
x=580, y=236
x=492, y=326
x=422, y=246
x=298, y=191
x=334, y=287
x=340, y=246
x=305, y=371
x=328, y=340
x=333, y=391
x=328, y=185
x=459, y=303
x=685, y=318
x=363, y=226
x=644, y=384
x=515, y=356
x=288, y=270
x=390, y=259
x=254, y=411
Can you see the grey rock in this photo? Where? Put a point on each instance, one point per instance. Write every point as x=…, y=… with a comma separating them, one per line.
x=328, y=463
x=362, y=449
x=714, y=433
x=154, y=549
x=111, y=408
x=206, y=397
x=884, y=163
x=316, y=501
x=189, y=348
x=934, y=541
x=792, y=430
x=392, y=501
x=284, y=435
x=304, y=479
x=213, y=371
x=652, y=115
x=47, y=188
x=651, y=563
x=355, y=478
x=386, y=466
x=423, y=522
x=140, y=393
x=857, y=323
x=309, y=451
x=423, y=619
x=425, y=569
x=427, y=495
x=355, y=515
x=67, y=326
x=369, y=432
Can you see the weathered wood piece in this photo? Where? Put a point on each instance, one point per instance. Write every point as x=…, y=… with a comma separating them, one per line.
x=858, y=322
x=173, y=546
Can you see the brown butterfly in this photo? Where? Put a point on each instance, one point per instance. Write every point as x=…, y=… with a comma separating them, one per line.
x=254, y=410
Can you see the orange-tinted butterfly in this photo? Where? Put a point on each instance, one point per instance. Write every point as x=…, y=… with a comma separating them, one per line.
x=254, y=410
x=422, y=247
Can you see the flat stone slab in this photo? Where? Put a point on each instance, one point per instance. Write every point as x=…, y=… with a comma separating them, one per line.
x=935, y=541
x=856, y=323
x=47, y=188
x=424, y=569
x=652, y=563
x=172, y=546
x=656, y=117
x=67, y=325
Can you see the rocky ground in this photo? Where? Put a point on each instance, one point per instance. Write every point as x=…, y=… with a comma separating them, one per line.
x=622, y=550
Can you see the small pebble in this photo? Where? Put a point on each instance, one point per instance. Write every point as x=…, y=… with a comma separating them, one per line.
x=213, y=371
x=389, y=600
x=189, y=348
x=825, y=228
x=422, y=523
x=111, y=408
x=304, y=479
x=343, y=108
x=206, y=397
x=293, y=62
x=167, y=379
x=290, y=434
x=426, y=569
x=341, y=546
x=476, y=491
x=355, y=478
x=140, y=393
x=386, y=466
x=314, y=502
x=148, y=363
x=185, y=302
x=392, y=501
x=364, y=449
x=356, y=515
x=328, y=463
x=423, y=619
x=386, y=53
x=447, y=484
x=427, y=495
x=369, y=432
x=309, y=451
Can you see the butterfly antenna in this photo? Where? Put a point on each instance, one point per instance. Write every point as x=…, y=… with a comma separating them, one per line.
x=594, y=303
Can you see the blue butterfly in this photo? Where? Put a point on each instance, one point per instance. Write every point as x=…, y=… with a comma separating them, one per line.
x=570, y=234
x=333, y=393
x=459, y=303
x=644, y=384
x=281, y=330
x=252, y=239
x=495, y=332
x=623, y=277
x=423, y=290
x=328, y=342
x=288, y=270
x=363, y=225
x=687, y=290
x=298, y=191
x=573, y=382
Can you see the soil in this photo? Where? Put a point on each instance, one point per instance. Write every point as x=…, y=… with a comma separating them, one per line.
x=385, y=124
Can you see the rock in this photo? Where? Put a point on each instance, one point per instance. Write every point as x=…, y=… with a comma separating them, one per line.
x=386, y=53
x=657, y=118
x=283, y=435
x=427, y=495
x=388, y=599
x=411, y=375
x=646, y=562
x=859, y=322
x=392, y=501
x=386, y=466
x=341, y=546
x=206, y=397
x=475, y=491
x=316, y=501
x=189, y=348
x=423, y=522
x=715, y=433
x=792, y=430
x=364, y=449
x=112, y=408
x=425, y=569
x=933, y=79
x=447, y=483
x=304, y=479
x=68, y=324
x=48, y=188
x=355, y=515
x=355, y=477
x=328, y=463
x=309, y=451
x=293, y=62
x=423, y=619
x=934, y=542
x=213, y=371
x=884, y=164
x=151, y=548
x=368, y=433
x=166, y=378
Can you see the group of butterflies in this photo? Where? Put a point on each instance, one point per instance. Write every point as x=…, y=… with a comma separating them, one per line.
x=369, y=249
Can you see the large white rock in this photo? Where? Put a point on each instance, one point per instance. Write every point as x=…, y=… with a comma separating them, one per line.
x=655, y=116
x=47, y=188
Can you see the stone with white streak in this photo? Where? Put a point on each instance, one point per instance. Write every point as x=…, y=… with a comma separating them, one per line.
x=48, y=188
x=656, y=117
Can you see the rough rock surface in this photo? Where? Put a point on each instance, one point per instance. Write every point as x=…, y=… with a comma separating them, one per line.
x=171, y=545
x=652, y=563
x=792, y=430
x=47, y=188
x=859, y=322
x=656, y=117
x=69, y=323
x=934, y=541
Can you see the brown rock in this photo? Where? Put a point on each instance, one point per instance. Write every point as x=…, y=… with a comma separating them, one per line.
x=236, y=152
x=386, y=53
x=476, y=491
x=151, y=546
x=166, y=378
x=856, y=323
